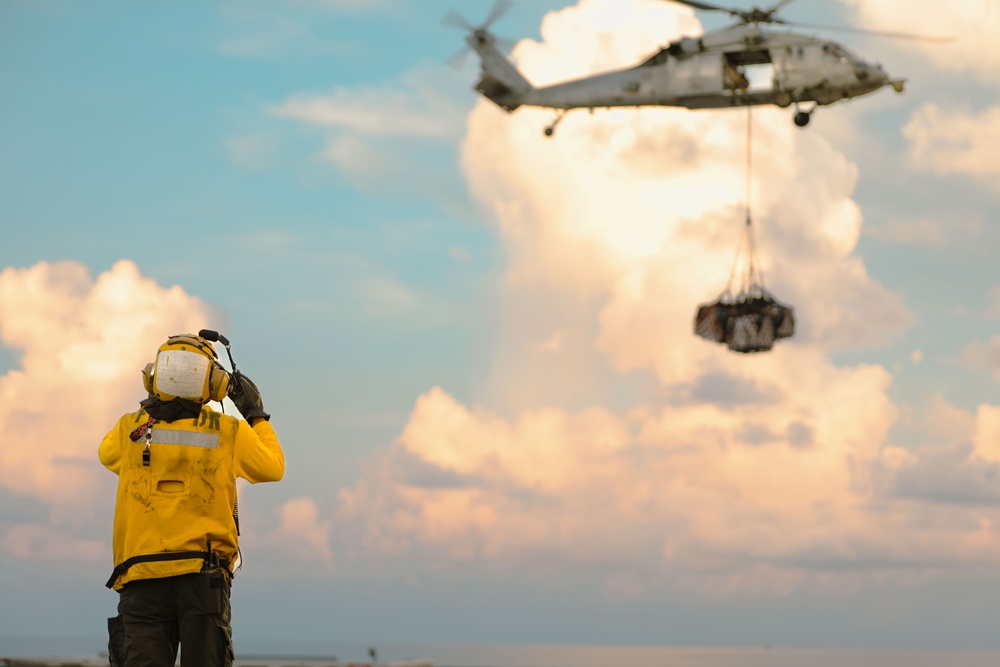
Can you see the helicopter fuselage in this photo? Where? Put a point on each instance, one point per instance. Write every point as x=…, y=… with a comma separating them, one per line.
x=740, y=66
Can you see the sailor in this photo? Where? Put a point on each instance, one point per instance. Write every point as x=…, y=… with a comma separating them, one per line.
x=176, y=521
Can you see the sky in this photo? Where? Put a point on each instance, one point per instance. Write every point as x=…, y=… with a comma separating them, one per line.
x=476, y=342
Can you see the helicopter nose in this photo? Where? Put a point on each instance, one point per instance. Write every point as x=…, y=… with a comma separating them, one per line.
x=870, y=73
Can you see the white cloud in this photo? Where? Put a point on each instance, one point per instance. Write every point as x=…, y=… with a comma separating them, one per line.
x=82, y=342
x=384, y=139
x=737, y=473
x=987, y=434
x=360, y=160
x=381, y=112
x=301, y=533
x=419, y=108
x=949, y=141
x=973, y=23
x=691, y=498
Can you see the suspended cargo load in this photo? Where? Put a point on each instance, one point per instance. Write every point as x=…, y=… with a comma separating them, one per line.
x=748, y=323
x=752, y=320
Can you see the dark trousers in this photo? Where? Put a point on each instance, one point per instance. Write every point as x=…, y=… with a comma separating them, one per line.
x=155, y=615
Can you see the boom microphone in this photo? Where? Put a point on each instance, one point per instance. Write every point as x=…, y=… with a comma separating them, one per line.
x=215, y=336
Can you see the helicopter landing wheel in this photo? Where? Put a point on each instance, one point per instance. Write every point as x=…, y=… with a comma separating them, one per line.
x=783, y=99
x=802, y=118
x=551, y=127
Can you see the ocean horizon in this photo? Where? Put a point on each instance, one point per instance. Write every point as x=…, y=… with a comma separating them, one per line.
x=93, y=650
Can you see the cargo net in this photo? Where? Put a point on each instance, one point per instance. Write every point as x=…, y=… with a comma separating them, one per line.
x=751, y=320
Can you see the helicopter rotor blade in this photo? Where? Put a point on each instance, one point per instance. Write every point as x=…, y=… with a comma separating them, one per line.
x=455, y=20
x=778, y=6
x=708, y=7
x=876, y=33
x=500, y=7
x=459, y=59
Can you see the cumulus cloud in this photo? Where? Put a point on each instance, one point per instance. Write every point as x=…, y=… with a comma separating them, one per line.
x=690, y=498
x=301, y=533
x=986, y=437
x=81, y=342
x=734, y=473
x=973, y=24
x=950, y=141
x=646, y=207
x=720, y=473
x=365, y=112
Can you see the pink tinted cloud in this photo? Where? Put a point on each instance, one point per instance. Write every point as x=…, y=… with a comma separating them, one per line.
x=700, y=498
x=80, y=342
x=302, y=532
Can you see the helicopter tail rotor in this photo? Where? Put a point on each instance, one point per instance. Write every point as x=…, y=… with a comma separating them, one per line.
x=455, y=20
x=480, y=33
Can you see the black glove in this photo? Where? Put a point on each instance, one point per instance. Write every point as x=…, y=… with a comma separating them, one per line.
x=246, y=397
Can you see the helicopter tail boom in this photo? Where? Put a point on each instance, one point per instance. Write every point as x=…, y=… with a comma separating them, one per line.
x=500, y=82
x=499, y=92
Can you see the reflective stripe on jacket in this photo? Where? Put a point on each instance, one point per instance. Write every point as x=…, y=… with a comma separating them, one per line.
x=185, y=497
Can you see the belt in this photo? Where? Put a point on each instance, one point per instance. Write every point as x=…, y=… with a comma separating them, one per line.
x=123, y=567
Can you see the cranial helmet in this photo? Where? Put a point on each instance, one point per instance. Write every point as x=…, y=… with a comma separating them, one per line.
x=186, y=367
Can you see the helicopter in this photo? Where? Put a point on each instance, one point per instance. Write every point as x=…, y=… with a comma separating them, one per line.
x=711, y=71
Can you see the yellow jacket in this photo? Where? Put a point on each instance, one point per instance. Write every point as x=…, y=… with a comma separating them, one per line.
x=186, y=496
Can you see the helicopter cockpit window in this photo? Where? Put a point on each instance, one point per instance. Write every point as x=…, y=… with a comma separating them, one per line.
x=840, y=52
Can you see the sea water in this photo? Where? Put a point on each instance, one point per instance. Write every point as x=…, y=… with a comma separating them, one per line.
x=307, y=654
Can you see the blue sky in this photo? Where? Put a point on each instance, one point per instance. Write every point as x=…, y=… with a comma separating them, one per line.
x=476, y=342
